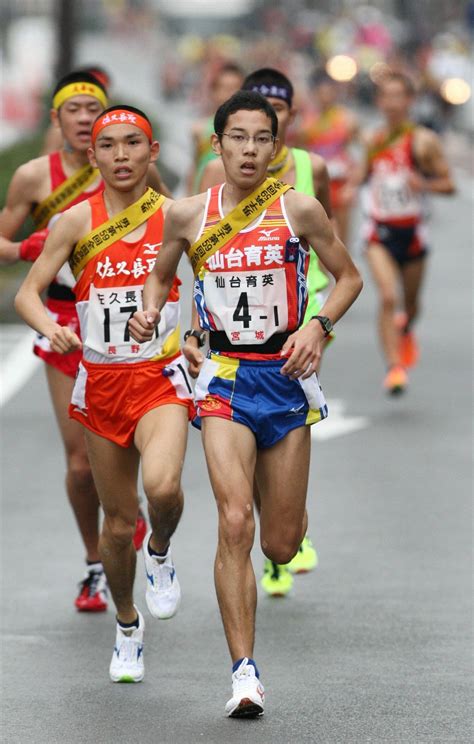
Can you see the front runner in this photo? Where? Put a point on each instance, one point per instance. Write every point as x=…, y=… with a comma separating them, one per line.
x=404, y=162
x=308, y=174
x=134, y=401
x=254, y=402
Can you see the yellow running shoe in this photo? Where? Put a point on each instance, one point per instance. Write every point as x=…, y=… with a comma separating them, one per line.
x=306, y=558
x=276, y=580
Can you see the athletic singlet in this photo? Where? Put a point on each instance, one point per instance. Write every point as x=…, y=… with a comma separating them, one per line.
x=60, y=288
x=390, y=198
x=329, y=134
x=110, y=289
x=304, y=184
x=255, y=286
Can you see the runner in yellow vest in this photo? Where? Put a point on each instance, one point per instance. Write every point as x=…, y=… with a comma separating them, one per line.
x=308, y=174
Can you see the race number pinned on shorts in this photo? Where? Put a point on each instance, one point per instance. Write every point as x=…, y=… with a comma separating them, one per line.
x=249, y=307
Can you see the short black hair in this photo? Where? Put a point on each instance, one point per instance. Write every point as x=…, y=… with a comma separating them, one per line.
x=98, y=72
x=268, y=76
x=244, y=100
x=123, y=107
x=78, y=77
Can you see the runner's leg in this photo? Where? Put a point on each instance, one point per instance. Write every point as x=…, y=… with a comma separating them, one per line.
x=412, y=278
x=115, y=472
x=79, y=482
x=160, y=437
x=386, y=275
x=230, y=454
x=283, y=516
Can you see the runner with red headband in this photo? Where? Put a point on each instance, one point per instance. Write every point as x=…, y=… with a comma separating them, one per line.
x=133, y=401
x=43, y=188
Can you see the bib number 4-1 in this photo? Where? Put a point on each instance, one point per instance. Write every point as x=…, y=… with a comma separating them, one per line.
x=249, y=307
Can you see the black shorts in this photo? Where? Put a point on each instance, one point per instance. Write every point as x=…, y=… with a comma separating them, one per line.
x=405, y=244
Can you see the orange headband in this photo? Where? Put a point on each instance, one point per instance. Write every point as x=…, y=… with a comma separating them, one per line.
x=121, y=116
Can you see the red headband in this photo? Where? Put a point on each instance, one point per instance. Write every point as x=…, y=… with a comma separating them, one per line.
x=121, y=116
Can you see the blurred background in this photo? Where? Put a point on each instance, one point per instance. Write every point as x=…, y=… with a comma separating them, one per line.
x=162, y=55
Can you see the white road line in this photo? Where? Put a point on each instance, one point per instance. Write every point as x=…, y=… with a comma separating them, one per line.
x=337, y=424
x=16, y=366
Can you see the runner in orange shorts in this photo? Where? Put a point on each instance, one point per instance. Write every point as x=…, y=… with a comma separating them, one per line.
x=133, y=400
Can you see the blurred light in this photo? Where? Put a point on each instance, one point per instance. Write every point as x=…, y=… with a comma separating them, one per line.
x=455, y=91
x=378, y=71
x=341, y=67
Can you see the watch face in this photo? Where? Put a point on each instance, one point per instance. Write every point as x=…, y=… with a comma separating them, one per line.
x=327, y=324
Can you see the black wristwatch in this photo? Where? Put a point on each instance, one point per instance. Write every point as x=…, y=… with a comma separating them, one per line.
x=200, y=335
x=325, y=322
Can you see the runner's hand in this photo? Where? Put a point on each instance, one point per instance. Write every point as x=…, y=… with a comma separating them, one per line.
x=304, y=349
x=63, y=340
x=143, y=323
x=194, y=357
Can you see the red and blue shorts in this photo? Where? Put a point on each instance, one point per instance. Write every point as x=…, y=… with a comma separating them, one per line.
x=257, y=395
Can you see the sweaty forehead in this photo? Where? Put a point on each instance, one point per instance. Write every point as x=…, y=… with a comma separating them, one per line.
x=255, y=120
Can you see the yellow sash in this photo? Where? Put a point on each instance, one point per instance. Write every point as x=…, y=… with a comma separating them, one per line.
x=63, y=195
x=215, y=237
x=114, y=229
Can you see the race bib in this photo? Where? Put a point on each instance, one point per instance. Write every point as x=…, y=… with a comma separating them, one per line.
x=108, y=314
x=249, y=306
x=393, y=196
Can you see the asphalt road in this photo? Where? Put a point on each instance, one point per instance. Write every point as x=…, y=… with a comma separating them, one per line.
x=374, y=646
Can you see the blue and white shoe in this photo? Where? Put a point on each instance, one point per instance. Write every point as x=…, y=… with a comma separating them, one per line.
x=163, y=593
x=248, y=695
x=127, y=663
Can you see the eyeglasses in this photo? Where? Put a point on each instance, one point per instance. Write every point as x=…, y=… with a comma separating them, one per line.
x=261, y=140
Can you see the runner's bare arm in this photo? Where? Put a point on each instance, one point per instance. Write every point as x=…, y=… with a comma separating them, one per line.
x=159, y=281
x=321, y=182
x=191, y=350
x=310, y=221
x=28, y=303
x=435, y=173
x=17, y=208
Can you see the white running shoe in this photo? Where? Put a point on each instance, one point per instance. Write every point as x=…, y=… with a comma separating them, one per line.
x=127, y=660
x=163, y=593
x=248, y=695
